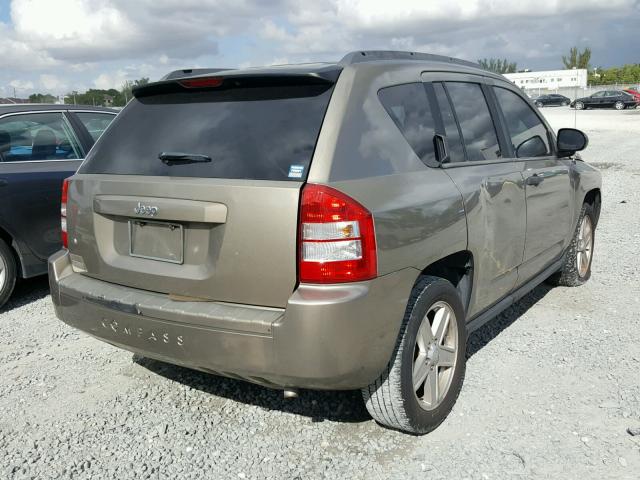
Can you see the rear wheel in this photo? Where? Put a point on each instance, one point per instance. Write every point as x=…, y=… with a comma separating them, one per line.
x=7, y=272
x=565, y=103
x=619, y=105
x=576, y=269
x=421, y=383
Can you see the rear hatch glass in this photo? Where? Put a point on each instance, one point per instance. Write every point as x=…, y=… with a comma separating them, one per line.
x=258, y=133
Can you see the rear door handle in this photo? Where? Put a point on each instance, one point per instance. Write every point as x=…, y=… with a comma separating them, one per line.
x=535, y=180
x=4, y=182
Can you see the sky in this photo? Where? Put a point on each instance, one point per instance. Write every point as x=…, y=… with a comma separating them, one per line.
x=56, y=46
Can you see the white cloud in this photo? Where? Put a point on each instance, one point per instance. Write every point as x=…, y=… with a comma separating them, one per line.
x=67, y=44
x=21, y=85
x=52, y=83
x=106, y=81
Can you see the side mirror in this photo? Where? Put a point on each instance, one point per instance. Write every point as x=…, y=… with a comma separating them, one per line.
x=571, y=141
x=532, y=147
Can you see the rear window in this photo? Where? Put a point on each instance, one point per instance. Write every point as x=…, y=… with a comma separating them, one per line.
x=259, y=133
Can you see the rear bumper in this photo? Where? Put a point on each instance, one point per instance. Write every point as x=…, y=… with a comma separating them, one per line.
x=328, y=337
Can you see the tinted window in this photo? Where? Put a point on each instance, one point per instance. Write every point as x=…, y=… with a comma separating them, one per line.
x=262, y=133
x=409, y=108
x=95, y=123
x=523, y=124
x=37, y=136
x=454, y=142
x=475, y=121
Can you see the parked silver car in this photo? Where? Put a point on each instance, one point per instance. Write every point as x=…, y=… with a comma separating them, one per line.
x=324, y=226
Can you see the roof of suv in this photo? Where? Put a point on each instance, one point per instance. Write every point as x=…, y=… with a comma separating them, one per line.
x=39, y=107
x=328, y=71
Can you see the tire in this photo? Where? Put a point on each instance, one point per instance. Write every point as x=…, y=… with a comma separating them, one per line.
x=539, y=104
x=579, y=106
x=7, y=272
x=392, y=399
x=565, y=103
x=619, y=105
x=571, y=274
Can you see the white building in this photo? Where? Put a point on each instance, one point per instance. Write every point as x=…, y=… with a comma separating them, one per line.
x=549, y=79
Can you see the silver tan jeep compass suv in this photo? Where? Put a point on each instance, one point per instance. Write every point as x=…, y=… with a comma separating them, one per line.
x=324, y=226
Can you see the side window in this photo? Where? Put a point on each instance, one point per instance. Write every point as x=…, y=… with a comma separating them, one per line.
x=37, y=136
x=529, y=136
x=408, y=106
x=454, y=141
x=472, y=112
x=95, y=123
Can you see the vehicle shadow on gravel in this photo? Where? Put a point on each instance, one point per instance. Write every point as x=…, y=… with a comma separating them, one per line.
x=27, y=291
x=338, y=406
x=481, y=337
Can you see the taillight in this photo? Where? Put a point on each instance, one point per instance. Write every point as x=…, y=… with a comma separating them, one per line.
x=63, y=212
x=337, y=238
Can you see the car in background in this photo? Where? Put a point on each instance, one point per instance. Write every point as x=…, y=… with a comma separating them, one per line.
x=606, y=99
x=633, y=92
x=40, y=146
x=551, y=99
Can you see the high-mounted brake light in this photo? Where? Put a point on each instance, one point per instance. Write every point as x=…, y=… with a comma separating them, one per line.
x=207, y=82
x=337, y=238
x=63, y=212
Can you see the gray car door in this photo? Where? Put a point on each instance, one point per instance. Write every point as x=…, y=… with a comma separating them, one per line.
x=547, y=185
x=492, y=187
x=42, y=150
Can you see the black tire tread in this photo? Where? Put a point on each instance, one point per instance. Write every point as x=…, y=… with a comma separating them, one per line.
x=382, y=398
x=10, y=261
x=568, y=275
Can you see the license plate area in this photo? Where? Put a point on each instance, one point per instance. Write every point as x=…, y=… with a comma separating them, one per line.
x=161, y=241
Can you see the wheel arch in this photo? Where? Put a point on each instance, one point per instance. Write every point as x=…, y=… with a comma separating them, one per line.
x=10, y=241
x=457, y=268
x=593, y=197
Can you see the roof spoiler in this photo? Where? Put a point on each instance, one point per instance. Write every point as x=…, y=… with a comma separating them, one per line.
x=216, y=79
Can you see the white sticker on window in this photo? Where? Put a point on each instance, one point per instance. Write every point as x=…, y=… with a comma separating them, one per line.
x=295, y=171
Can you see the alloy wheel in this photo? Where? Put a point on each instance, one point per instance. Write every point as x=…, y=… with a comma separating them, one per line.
x=619, y=106
x=434, y=355
x=585, y=246
x=579, y=105
x=3, y=273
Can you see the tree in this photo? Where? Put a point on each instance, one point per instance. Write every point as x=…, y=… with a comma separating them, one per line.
x=577, y=59
x=41, y=98
x=498, y=66
x=627, y=74
x=128, y=86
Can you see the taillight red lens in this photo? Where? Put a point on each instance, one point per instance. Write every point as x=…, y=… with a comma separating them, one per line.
x=337, y=238
x=63, y=212
x=207, y=82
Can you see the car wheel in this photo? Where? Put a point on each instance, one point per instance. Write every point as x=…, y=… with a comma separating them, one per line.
x=576, y=269
x=7, y=272
x=565, y=103
x=420, y=385
x=579, y=106
x=619, y=105
x=539, y=104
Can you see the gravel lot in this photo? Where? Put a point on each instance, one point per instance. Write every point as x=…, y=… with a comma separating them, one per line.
x=552, y=385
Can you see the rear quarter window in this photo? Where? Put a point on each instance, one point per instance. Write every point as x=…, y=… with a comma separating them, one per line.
x=408, y=107
x=260, y=133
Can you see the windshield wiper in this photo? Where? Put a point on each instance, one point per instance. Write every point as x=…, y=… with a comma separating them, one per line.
x=181, y=158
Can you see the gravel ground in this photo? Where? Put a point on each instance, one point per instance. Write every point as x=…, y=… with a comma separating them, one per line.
x=552, y=385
